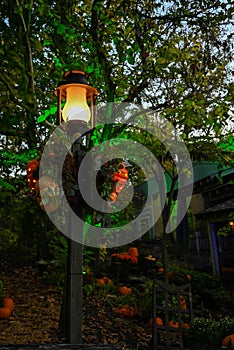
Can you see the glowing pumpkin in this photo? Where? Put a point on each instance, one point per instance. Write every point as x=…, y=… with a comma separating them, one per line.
x=120, y=177
x=32, y=173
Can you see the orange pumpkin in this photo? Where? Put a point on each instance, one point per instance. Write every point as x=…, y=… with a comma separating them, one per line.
x=185, y=325
x=8, y=302
x=107, y=280
x=100, y=281
x=133, y=251
x=158, y=321
x=125, y=290
x=125, y=256
x=5, y=312
x=188, y=277
x=32, y=168
x=126, y=310
x=228, y=340
x=183, y=305
x=103, y=281
x=173, y=324
x=169, y=274
x=113, y=196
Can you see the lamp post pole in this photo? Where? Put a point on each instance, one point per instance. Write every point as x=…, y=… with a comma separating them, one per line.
x=75, y=90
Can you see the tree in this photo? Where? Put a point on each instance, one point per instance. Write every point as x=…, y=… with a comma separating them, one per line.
x=174, y=58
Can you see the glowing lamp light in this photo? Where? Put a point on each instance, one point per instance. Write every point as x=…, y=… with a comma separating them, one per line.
x=76, y=107
x=79, y=99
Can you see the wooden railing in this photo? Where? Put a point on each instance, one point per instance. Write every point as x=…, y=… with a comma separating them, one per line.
x=202, y=243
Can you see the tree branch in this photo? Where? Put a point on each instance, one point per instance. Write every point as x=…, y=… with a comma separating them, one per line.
x=97, y=39
x=29, y=51
x=13, y=95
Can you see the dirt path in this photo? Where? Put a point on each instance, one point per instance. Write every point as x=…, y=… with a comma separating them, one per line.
x=36, y=312
x=35, y=318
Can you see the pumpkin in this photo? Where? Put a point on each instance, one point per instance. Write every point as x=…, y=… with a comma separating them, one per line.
x=5, y=312
x=185, y=325
x=183, y=305
x=125, y=256
x=150, y=258
x=133, y=251
x=160, y=269
x=113, y=196
x=8, y=302
x=173, y=324
x=125, y=310
x=158, y=321
x=169, y=274
x=32, y=170
x=122, y=173
x=188, y=277
x=100, y=281
x=228, y=340
x=103, y=281
x=120, y=178
x=120, y=185
x=125, y=290
x=107, y=280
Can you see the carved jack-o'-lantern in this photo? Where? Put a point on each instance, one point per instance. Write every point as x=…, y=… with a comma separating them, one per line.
x=120, y=177
x=32, y=173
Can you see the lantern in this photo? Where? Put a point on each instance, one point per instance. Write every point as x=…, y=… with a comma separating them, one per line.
x=76, y=92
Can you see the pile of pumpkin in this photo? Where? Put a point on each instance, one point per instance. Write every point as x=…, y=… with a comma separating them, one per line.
x=130, y=256
x=171, y=324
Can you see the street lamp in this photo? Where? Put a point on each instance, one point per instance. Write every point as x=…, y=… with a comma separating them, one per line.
x=76, y=113
x=74, y=89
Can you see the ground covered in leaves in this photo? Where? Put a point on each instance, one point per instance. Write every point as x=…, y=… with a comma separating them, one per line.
x=36, y=314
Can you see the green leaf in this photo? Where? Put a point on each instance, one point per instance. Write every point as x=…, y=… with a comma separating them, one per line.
x=38, y=45
x=46, y=114
x=7, y=185
x=131, y=60
x=61, y=29
x=188, y=102
x=46, y=43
